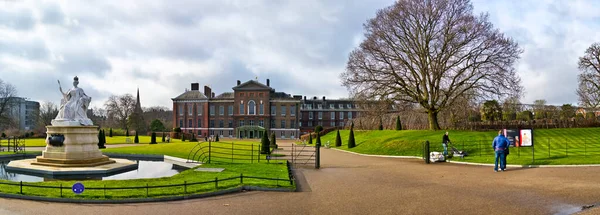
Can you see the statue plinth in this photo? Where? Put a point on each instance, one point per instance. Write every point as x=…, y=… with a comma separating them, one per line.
x=72, y=146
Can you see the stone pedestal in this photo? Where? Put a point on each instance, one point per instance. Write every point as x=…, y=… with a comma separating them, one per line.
x=79, y=148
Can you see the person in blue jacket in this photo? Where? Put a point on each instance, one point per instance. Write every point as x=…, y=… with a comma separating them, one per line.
x=500, y=144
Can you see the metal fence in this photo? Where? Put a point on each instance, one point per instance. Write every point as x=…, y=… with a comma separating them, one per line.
x=226, y=152
x=148, y=188
x=543, y=148
x=14, y=144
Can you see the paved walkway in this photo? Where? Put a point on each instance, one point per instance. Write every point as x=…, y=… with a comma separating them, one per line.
x=353, y=184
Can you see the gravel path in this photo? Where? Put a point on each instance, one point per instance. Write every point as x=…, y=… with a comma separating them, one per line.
x=42, y=148
x=353, y=184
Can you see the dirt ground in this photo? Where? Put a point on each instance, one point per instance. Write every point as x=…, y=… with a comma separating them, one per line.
x=353, y=184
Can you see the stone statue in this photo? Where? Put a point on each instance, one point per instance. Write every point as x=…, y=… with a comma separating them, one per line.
x=73, y=107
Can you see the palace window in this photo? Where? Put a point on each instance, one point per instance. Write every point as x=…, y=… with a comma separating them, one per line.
x=221, y=110
x=293, y=110
x=251, y=108
x=283, y=110
x=212, y=110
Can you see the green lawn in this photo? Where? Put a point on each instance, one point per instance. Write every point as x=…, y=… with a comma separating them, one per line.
x=243, y=151
x=41, y=142
x=181, y=150
x=552, y=146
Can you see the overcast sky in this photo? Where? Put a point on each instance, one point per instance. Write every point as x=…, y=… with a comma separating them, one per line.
x=301, y=45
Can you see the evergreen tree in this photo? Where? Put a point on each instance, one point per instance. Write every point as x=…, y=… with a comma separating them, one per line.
x=101, y=139
x=217, y=138
x=309, y=138
x=136, y=140
x=351, y=143
x=153, y=138
x=380, y=124
x=163, y=137
x=273, y=141
x=338, y=139
x=264, y=145
x=182, y=137
x=127, y=132
x=398, y=125
x=110, y=132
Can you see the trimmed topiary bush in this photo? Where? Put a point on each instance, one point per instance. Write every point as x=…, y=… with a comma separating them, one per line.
x=264, y=145
x=127, y=132
x=310, y=138
x=153, y=138
x=3, y=135
x=380, y=125
x=110, y=132
x=217, y=138
x=182, y=137
x=101, y=139
x=318, y=129
x=273, y=141
x=351, y=143
x=338, y=139
x=398, y=125
x=136, y=139
x=163, y=137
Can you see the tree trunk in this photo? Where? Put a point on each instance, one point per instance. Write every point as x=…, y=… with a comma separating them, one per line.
x=433, y=120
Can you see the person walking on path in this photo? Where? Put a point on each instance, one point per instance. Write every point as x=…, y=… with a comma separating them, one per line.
x=445, y=142
x=499, y=145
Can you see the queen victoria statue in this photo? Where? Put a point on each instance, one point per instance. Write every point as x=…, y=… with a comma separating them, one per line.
x=73, y=107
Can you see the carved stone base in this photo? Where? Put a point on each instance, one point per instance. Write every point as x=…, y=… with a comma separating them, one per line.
x=72, y=162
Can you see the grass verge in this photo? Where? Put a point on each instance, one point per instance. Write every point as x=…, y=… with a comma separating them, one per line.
x=551, y=147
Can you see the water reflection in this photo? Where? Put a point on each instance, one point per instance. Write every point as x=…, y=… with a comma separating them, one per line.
x=145, y=169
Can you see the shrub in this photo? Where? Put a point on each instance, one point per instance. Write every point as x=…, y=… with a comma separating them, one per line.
x=310, y=138
x=153, y=138
x=127, y=132
x=31, y=134
x=380, y=125
x=273, y=141
x=398, y=125
x=101, y=139
x=157, y=125
x=217, y=138
x=163, y=137
x=351, y=143
x=110, y=132
x=590, y=115
x=264, y=145
x=136, y=140
x=318, y=129
x=177, y=130
x=338, y=139
x=3, y=135
x=182, y=137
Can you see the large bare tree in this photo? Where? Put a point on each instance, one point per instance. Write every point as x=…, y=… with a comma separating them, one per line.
x=8, y=100
x=589, y=80
x=430, y=52
x=119, y=108
x=47, y=113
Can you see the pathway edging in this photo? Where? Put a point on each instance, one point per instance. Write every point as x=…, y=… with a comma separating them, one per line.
x=474, y=164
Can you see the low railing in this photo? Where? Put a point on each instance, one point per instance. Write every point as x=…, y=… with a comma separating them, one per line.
x=148, y=188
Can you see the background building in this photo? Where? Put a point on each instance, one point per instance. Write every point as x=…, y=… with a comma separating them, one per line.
x=25, y=113
x=252, y=110
x=326, y=113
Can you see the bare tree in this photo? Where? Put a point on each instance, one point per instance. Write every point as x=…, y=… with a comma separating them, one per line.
x=8, y=94
x=589, y=80
x=539, y=109
x=48, y=111
x=430, y=53
x=119, y=108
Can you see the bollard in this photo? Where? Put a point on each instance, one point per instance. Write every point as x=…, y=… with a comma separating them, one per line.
x=317, y=157
x=21, y=186
x=426, y=152
x=146, y=189
x=61, y=190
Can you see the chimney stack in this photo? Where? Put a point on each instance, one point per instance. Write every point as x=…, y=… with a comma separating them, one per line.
x=268, y=83
x=304, y=98
x=195, y=86
x=207, y=91
x=239, y=82
x=213, y=95
x=323, y=98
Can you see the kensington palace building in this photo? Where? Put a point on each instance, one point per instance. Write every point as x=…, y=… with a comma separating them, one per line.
x=254, y=109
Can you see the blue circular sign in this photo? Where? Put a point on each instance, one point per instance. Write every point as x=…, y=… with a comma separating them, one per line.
x=78, y=188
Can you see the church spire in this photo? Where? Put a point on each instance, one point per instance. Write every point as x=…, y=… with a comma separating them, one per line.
x=138, y=105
